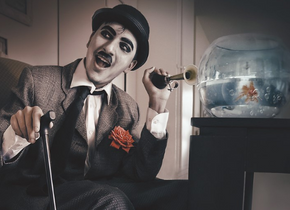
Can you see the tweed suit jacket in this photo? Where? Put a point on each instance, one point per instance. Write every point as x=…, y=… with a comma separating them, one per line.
x=48, y=88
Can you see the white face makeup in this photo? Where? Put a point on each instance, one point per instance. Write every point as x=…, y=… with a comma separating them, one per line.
x=111, y=50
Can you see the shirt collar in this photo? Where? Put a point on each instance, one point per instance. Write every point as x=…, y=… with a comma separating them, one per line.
x=80, y=79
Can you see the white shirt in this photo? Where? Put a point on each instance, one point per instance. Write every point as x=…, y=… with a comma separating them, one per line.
x=155, y=123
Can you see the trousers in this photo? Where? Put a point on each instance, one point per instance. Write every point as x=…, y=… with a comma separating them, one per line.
x=110, y=193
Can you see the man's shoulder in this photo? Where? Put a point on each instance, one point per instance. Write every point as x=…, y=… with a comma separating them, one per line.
x=51, y=71
x=42, y=70
x=52, y=67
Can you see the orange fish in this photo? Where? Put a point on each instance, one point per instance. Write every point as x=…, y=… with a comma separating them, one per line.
x=250, y=92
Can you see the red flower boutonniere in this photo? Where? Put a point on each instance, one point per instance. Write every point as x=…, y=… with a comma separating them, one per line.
x=121, y=138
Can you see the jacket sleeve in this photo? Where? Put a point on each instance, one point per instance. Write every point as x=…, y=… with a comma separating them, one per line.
x=145, y=159
x=16, y=102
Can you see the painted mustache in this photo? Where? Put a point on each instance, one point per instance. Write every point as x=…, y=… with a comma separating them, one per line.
x=103, y=59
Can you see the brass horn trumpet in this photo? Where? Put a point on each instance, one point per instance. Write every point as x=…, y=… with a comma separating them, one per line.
x=189, y=75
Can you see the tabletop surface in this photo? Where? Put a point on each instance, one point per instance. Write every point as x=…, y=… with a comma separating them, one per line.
x=241, y=122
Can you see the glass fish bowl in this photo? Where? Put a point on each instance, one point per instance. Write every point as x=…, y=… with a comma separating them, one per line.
x=244, y=75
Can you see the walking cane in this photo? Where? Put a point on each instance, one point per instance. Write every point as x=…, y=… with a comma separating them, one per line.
x=44, y=127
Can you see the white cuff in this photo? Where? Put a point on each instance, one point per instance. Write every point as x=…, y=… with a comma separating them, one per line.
x=12, y=144
x=157, y=123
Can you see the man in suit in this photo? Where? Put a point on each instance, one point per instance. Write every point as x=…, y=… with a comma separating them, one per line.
x=94, y=169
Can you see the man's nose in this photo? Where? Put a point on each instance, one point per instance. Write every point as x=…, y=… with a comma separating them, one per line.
x=109, y=47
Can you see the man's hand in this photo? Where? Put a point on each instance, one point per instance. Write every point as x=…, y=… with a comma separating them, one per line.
x=26, y=123
x=157, y=97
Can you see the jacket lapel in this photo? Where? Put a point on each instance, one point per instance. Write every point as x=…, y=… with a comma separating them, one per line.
x=108, y=119
x=81, y=126
x=70, y=95
x=67, y=75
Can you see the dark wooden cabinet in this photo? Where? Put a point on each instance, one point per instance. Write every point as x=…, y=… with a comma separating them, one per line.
x=224, y=157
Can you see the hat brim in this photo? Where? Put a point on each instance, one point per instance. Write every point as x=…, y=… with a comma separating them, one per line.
x=129, y=22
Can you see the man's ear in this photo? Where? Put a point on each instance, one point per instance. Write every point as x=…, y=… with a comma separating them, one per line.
x=131, y=66
x=92, y=34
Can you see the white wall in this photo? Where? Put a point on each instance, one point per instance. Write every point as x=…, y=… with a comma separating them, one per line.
x=35, y=44
x=216, y=18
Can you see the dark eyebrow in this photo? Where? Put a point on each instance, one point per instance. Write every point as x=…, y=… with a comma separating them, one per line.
x=109, y=28
x=128, y=41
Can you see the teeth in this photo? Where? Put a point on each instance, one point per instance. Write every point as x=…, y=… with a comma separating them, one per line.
x=104, y=60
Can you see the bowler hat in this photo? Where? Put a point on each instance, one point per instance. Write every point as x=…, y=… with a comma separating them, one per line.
x=133, y=20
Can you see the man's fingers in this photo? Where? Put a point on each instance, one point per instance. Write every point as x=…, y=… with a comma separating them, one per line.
x=15, y=125
x=147, y=72
x=163, y=72
x=33, y=123
x=150, y=70
x=36, y=115
x=22, y=124
x=26, y=123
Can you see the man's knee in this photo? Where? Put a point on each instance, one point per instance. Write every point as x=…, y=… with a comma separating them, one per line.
x=89, y=195
x=113, y=198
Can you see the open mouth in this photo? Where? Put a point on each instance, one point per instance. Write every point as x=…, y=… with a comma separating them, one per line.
x=103, y=60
